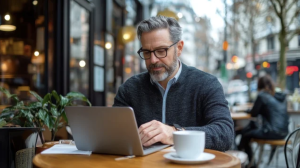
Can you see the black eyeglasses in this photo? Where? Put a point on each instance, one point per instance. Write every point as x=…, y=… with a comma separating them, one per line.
x=159, y=53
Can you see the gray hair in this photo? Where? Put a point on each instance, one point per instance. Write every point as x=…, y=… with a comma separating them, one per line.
x=160, y=22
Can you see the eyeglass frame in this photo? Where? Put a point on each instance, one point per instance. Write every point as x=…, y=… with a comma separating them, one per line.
x=153, y=51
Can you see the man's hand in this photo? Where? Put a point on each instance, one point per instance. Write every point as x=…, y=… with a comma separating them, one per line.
x=155, y=131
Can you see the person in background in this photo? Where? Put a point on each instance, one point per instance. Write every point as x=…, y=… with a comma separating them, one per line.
x=273, y=109
x=172, y=96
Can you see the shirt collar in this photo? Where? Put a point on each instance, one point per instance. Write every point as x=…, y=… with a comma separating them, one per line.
x=176, y=75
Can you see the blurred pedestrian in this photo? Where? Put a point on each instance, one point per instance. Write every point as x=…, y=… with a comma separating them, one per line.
x=272, y=107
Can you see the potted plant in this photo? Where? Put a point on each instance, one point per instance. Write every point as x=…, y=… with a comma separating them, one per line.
x=48, y=111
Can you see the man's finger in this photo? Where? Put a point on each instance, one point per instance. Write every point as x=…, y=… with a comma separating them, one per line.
x=143, y=126
x=145, y=131
x=146, y=125
x=153, y=140
x=150, y=134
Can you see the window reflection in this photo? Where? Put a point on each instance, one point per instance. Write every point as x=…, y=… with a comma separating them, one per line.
x=79, y=59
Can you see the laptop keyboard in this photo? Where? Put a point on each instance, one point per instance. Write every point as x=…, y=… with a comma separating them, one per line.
x=152, y=146
x=147, y=147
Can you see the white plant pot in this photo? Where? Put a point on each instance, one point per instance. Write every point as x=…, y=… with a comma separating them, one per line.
x=295, y=106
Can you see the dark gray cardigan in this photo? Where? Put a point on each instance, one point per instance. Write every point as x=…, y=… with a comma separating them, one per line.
x=196, y=102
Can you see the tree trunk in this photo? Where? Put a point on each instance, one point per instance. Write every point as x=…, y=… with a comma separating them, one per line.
x=282, y=60
x=253, y=48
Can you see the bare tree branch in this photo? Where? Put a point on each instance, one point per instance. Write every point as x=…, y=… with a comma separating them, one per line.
x=291, y=5
x=295, y=32
x=293, y=17
x=279, y=2
x=284, y=4
x=275, y=8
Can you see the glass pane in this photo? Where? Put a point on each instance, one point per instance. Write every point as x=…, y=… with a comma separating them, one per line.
x=110, y=47
x=79, y=58
x=22, y=50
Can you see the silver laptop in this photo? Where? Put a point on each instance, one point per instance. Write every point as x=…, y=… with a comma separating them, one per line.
x=108, y=130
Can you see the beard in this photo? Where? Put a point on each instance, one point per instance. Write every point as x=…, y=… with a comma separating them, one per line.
x=158, y=76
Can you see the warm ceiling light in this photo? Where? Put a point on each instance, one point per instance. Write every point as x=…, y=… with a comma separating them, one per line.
x=82, y=63
x=126, y=36
x=4, y=67
x=35, y=2
x=36, y=53
x=7, y=17
x=7, y=27
x=108, y=45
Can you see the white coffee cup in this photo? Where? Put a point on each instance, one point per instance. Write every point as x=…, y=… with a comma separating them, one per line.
x=189, y=144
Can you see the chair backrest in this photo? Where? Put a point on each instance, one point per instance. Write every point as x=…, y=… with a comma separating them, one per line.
x=295, y=148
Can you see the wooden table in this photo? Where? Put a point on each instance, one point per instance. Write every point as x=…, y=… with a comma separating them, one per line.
x=291, y=111
x=240, y=116
x=154, y=160
x=240, y=108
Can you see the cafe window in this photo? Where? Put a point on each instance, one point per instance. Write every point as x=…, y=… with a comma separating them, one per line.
x=270, y=41
x=79, y=48
x=114, y=50
x=299, y=40
x=22, y=48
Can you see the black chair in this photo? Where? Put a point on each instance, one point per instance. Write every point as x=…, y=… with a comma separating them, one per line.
x=295, y=149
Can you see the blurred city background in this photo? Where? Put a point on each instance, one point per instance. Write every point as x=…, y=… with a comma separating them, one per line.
x=90, y=45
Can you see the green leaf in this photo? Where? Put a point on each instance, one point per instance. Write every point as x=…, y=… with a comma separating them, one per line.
x=38, y=97
x=55, y=95
x=64, y=101
x=35, y=105
x=26, y=113
x=8, y=109
x=42, y=114
x=8, y=95
x=49, y=121
x=2, y=122
x=78, y=96
x=19, y=105
x=14, y=97
x=7, y=114
x=74, y=94
x=65, y=116
x=46, y=98
x=53, y=110
x=5, y=91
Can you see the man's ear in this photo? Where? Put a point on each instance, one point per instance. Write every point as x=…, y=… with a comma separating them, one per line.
x=180, y=45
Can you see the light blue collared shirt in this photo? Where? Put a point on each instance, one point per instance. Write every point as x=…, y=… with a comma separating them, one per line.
x=164, y=92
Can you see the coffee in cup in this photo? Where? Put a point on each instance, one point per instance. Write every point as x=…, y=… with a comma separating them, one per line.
x=189, y=144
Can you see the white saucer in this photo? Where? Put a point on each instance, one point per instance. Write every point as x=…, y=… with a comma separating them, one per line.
x=205, y=157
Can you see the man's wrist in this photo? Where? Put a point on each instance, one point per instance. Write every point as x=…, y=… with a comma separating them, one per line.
x=178, y=127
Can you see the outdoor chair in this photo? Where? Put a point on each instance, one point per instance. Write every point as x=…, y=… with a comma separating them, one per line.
x=261, y=144
x=295, y=148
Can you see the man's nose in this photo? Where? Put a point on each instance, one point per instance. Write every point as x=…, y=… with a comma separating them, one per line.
x=153, y=58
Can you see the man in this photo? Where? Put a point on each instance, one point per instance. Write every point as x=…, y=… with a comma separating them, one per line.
x=173, y=94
